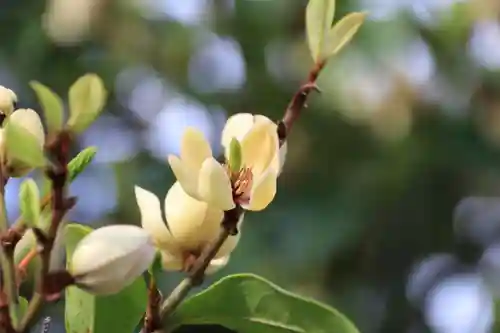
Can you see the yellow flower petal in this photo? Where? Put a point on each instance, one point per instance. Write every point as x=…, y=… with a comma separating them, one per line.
x=151, y=217
x=214, y=186
x=263, y=191
x=237, y=126
x=216, y=264
x=187, y=219
x=228, y=246
x=260, y=119
x=194, y=149
x=259, y=148
x=171, y=262
x=188, y=178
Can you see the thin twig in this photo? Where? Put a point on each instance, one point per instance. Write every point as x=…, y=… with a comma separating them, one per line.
x=298, y=102
x=7, y=252
x=58, y=175
x=152, y=320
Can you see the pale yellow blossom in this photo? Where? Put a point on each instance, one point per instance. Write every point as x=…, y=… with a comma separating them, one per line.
x=190, y=226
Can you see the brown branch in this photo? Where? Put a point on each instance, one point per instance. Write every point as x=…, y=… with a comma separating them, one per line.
x=298, y=102
x=5, y=319
x=9, y=287
x=58, y=174
x=152, y=319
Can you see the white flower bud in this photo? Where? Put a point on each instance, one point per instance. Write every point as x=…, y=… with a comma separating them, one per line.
x=7, y=101
x=111, y=258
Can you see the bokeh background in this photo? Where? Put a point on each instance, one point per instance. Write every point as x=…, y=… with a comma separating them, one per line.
x=386, y=207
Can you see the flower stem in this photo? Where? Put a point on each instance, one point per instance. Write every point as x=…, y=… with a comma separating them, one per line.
x=9, y=285
x=197, y=272
x=58, y=175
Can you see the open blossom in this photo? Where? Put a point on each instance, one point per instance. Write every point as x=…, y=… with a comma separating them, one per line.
x=8, y=99
x=111, y=258
x=238, y=126
x=190, y=225
x=253, y=186
x=30, y=121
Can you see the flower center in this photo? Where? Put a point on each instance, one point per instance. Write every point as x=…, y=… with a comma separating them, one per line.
x=241, y=183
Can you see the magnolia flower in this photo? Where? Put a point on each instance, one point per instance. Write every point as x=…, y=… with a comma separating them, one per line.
x=8, y=99
x=253, y=185
x=240, y=124
x=111, y=258
x=30, y=121
x=191, y=225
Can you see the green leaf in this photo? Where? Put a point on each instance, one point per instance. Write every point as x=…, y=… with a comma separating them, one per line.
x=101, y=314
x=29, y=202
x=87, y=97
x=22, y=146
x=235, y=157
x=156, y=266
x=248, y=303
x=319, y=18
x=17, y=312
x=80, y=162
x=51, y=104
x=342, y=33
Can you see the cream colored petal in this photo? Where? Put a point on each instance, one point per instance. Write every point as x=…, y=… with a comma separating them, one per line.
x=228, y=246
x=194, y=148
x=237, y=126
x=31, y=121
x=263, y=191
x=151, y=217
x=186, y=218
x=279, y=159
x=259, y=148
x=171, y=262
x=261, y=119
x=188, y=178
x=214, y=186
x=216, y=264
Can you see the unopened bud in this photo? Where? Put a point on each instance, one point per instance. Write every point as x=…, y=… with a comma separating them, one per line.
x=111, y=258
x=235, y=158
x=8, y=99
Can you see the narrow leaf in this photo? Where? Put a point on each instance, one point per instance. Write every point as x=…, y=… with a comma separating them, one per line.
x=87, y=97
x=51, y=104
x=22, y=146
x=80, y=162
x=342, y=33
x=85, y=312
x=247, y=303
x=319, y=18
x=29, y=202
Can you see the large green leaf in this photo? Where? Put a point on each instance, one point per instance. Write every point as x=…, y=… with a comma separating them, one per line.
x=51, y=104
x=87, y=97
x=85, y=312
x=319, y=18
x=248, y=303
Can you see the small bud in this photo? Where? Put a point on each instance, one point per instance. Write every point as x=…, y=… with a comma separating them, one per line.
x=111, y=258
x=22, y=142
x=8, y=100
x=235, y=158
